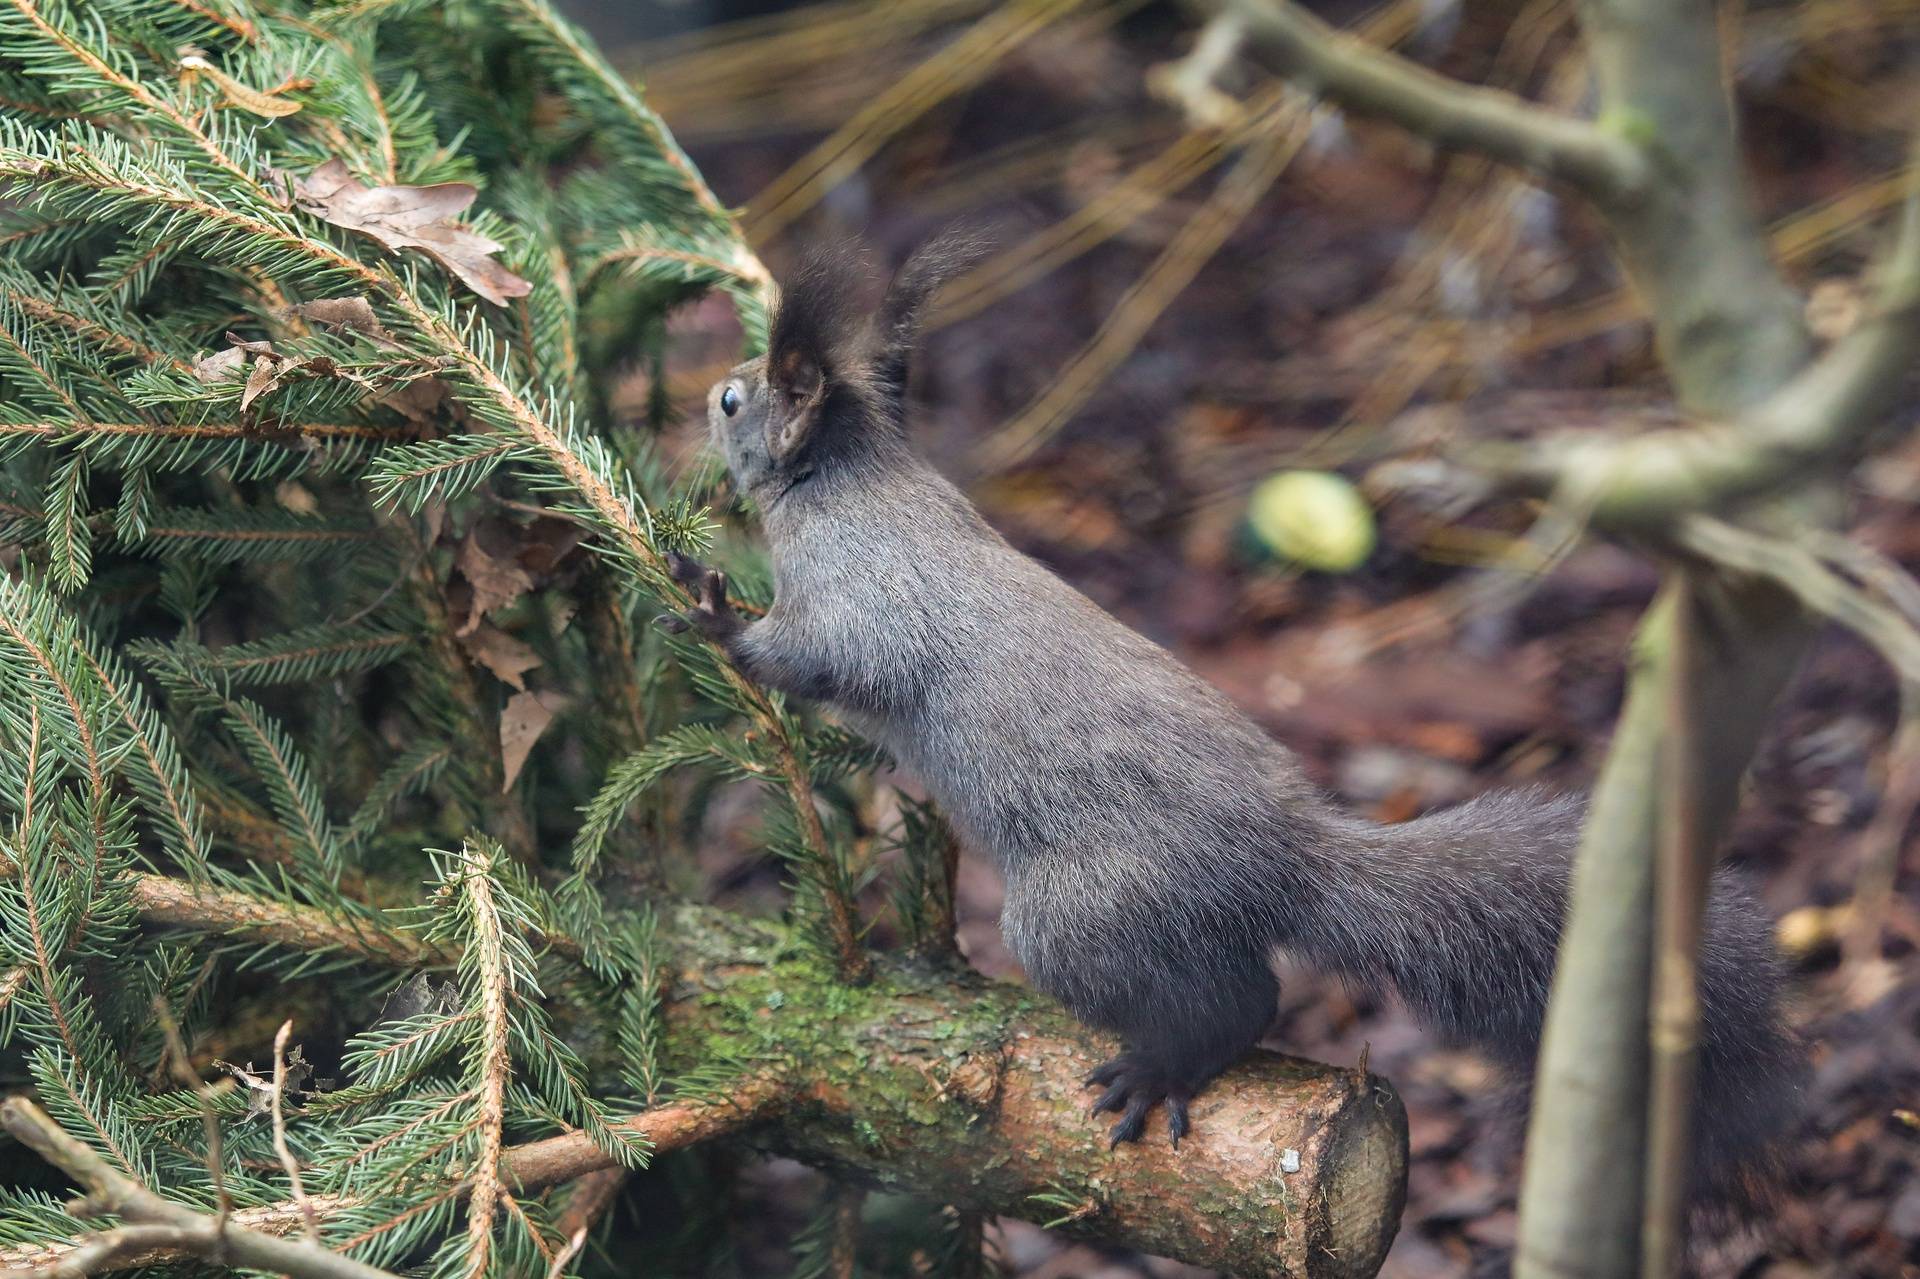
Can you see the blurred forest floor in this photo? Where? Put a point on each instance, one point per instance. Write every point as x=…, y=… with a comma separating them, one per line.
x=1351, y=293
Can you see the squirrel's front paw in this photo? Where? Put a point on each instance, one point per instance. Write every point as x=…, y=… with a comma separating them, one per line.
x=1133, y=1083
x=711, y=614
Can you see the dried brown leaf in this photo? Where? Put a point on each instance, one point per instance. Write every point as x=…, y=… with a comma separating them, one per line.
x=221, y=365
x=497, y=580
x=351, y=313
x=260, y=379
x=508, y=658
x=403, y=217
x=420, y=400
x=524, y=718
x=260, y=1087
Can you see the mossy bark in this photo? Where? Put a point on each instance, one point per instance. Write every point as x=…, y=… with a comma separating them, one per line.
x=940, y=1082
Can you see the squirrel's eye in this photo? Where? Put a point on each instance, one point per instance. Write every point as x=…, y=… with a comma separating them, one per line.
x=729, y=401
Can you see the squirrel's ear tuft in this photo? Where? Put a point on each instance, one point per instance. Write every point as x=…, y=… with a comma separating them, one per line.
x=819, y=316
x=897, y=326
x=809, y=346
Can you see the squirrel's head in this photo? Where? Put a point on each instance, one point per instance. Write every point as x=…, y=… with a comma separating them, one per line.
x=833, y=382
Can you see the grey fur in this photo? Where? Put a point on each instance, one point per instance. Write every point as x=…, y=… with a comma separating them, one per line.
x=1158, y=847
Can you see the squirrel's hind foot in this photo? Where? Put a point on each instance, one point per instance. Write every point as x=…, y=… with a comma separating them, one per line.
x=1133, y=1083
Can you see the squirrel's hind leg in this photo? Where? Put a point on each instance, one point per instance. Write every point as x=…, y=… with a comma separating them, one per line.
x=1170, y=1058
x=1187, y=985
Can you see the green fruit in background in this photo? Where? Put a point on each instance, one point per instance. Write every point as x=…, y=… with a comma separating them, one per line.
x=1315, y=519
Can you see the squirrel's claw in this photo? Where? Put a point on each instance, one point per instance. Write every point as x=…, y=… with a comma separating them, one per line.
x=684, y=569
x=1133, y=1124
x=1133, y=1085
x=1112, y=1099
x=1178, y=1124
x=711, y=614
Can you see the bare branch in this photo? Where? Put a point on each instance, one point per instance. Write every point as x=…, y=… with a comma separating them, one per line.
x=161, y=900
x=1685, y=860
x=1604, y=166
x=552, y=1160
x=1814, y=423
x=592, y=1195
x=1189, y=82
x=844, y=1255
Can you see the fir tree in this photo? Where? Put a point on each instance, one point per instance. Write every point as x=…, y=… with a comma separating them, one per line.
x=322, y=551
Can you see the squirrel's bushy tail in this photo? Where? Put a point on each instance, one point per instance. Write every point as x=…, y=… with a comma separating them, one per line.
x=1460, y=912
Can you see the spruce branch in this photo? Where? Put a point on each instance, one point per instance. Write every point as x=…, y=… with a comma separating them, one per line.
x=495, y=1069
x=231, y=912
x=161, y=781
x=1014, y=1089
x=177, y=1060
x=25, y=617
x=156, y=1225
x=115, y=340
x=525, y=1168
x=577, y=462
x=578, y=63
x=82, y=429
x=34, y=23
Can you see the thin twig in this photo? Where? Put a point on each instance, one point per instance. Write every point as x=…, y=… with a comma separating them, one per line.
x=280, y=1147
x=1190, y=83
x=843, y=1255
x=1814, y=570
x=1265, y=160
x=181, y=1064
x=592, y=1195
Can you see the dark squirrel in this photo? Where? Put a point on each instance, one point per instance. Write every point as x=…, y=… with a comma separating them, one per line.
x=1159, y=849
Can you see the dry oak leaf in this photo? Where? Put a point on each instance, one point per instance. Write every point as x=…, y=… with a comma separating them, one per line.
x=270, y=368
x=524, y=718
x=497, y=580
x=261, y=377
x=507, y=657
x=410, y=218
x=351, y=313
x=221, y=365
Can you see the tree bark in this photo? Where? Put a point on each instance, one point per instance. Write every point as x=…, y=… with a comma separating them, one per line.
x=937, y=1081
